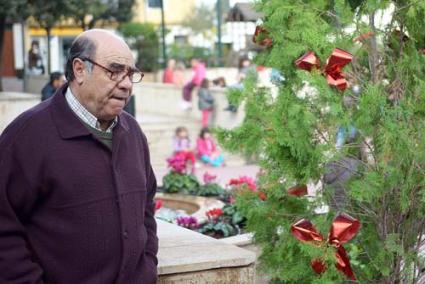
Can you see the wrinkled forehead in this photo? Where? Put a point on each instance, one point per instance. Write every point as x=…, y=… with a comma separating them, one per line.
x=115, y=52
x=117, y=61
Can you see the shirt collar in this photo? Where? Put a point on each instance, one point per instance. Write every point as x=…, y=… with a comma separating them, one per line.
x=84, y=114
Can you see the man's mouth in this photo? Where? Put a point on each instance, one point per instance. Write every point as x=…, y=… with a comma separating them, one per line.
x=120, y=98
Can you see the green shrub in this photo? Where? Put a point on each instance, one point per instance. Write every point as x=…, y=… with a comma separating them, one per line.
x=174, y=182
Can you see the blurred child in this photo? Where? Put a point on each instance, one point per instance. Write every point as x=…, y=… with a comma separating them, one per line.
x=168, y=76
x=219, y=82
x=199, y=73
x=205, y=102
x=181, y=145
x=207, y=149
x=178, y=77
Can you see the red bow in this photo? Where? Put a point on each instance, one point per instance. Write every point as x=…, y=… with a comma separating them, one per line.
x=333, y=69
x=298, y=190
x=343, y=229
x=262, y=34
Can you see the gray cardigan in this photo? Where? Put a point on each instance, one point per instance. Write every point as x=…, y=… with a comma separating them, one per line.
x=206, y=100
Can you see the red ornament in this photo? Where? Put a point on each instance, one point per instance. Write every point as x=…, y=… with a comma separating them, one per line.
x=364, y=37
x=261, y=37
x=333, y=69
x=298, y=190
x=343, y=229
x=262, y=195
x=318, y=266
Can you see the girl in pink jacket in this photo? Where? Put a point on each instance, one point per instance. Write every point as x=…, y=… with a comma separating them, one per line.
x=199, y=74
x=207, y=150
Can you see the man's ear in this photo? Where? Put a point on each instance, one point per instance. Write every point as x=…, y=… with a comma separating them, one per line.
x=79, y=70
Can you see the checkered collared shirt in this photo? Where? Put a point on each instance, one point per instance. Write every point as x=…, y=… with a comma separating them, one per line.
x=84, y=114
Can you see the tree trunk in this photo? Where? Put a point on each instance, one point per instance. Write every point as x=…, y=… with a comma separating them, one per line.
x=48, y=31
x=373, y=56
x=92, y=23
x=2, y=29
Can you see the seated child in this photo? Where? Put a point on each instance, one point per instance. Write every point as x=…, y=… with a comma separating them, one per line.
x=207, y=149
x=181, y=145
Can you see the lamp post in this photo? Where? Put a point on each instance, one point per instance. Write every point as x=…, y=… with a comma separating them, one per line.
x=160, y=4
x=164, y=52
x=24, y=57
x=219, y=44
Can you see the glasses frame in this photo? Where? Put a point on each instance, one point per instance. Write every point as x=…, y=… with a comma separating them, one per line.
x=129, y=73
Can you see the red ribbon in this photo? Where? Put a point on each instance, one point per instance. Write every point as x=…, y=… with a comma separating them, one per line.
x=343, y=229
x=298, y=190
x=333, y=69
x=262, y=35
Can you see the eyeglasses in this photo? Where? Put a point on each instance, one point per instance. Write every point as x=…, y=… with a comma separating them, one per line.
x=134, y=74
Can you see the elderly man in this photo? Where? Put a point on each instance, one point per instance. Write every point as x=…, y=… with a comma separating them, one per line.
x=76, y=184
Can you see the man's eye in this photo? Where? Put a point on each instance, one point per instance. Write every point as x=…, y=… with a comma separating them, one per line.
x=116, y=73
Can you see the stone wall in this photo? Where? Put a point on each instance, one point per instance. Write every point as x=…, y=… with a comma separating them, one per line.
x=13, y=104
x=189, y=257
x=151, y=98
x=166, y=99
x=233, y=275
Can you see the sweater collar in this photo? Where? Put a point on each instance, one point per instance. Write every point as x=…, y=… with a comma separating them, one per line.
x=67, y=122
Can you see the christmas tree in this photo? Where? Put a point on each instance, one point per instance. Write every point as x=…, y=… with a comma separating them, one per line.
x=348, y=120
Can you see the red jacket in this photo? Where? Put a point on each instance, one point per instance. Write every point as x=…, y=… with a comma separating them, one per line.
x=71, y=210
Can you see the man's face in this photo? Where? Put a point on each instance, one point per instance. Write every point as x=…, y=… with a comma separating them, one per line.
x=104, y=97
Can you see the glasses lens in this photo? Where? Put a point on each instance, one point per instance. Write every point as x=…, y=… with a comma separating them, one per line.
x=136, y=77
x=115, y=76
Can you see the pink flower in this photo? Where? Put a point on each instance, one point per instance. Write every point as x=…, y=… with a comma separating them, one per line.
x=188, y=222
x=244, y=180
x=177, y=163
x=209, y=178
x=158, y=204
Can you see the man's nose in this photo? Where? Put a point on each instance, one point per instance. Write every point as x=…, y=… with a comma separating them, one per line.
x=125, y=83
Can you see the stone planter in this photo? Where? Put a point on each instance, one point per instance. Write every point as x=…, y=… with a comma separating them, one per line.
x=186, y=256
x=195, y=206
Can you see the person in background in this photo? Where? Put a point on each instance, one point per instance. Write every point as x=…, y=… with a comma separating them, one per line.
x=219, y=82
x=35, y=61
x=207, y=150
x=182, y=145
x=179, y=74
x=76, y=183
x=245, y=67
x=168, y=77
x=205, y=102
x=199, y=74
x=57, y=79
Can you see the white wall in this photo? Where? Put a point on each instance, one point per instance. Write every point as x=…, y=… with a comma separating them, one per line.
x=165, y=99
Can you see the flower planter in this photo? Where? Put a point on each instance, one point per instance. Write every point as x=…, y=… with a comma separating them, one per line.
x=195, y=206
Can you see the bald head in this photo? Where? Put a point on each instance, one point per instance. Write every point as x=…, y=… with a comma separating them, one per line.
x=92, y=43
x=105, y=39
